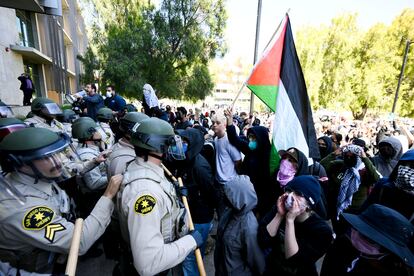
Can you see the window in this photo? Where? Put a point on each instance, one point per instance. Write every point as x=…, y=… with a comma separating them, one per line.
x=24, y=27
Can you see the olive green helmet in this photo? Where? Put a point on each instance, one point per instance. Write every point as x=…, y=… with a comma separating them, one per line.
x=26, y=146
x=9, y=125
x=83, y=128
x=153, y=135
x=45, y=106
x=130, y=120
x=157, y=135
x=67, y=116
x=105, y=114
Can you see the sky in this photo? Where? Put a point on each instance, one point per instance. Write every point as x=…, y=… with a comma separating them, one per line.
x=242, y=14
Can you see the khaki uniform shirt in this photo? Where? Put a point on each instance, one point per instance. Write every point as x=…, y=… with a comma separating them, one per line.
x=149, y=212
x=37, y=227
x=108, y=136
x=55, y=126
x=122, y=153
x=95, y=179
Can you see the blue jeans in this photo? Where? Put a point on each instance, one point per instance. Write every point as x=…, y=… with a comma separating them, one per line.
x=189, y=264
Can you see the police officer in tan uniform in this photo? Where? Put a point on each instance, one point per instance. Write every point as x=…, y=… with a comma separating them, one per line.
x=32, y=235
x=44, y=113
x=104, y=117
x=151, y=219
x=123, y=152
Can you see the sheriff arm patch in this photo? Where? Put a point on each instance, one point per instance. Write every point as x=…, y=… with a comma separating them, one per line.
x=37, y=218
x=145, y=204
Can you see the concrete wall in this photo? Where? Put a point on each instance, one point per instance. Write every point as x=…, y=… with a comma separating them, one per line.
x=11, y=64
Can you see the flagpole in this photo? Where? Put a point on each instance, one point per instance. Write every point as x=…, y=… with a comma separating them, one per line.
x=244, y=83
x=256, y=46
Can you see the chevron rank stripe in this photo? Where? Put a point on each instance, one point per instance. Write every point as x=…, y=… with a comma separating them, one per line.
x=51, y=230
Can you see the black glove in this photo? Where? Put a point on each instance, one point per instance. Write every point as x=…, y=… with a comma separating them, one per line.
x=197, y=237
x=180, y=191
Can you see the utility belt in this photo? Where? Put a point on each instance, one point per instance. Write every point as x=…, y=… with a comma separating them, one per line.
x=38, y=260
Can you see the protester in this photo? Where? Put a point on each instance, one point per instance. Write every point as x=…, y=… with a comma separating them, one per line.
x=256, y=161
x=27, y=87
x=182, y=119
x=293, y=232
x=397, y=191
x=93, y=101
x=150, y=101
x=376, y=243
x=237, y=251
x=389, y=152
x=293, y=163
x=114, y=101
x=198, y=178
x=350, y=179
x=325, y=144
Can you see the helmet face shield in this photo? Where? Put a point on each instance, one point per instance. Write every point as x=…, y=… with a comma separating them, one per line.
x=56, y=166
x=51, y=109
x=6, y=112
x=176, y=148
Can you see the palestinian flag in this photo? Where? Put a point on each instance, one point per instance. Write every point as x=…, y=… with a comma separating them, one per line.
x=277, y=79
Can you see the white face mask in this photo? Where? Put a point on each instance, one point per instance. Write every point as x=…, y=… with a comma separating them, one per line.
x=108, y=94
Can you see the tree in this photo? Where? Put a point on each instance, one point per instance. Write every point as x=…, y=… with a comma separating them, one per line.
x=91, y=64
x=347, y=68
x=169, y=47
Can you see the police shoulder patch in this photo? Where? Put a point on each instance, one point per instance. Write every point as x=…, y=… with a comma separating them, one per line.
x=145, y=204
x=37, y=218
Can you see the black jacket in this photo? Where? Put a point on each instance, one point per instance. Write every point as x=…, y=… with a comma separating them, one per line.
x=197, y=177
x=256, y=164
x=313, y=235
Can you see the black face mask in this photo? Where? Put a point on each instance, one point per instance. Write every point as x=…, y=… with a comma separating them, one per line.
x=387, y=152
x=323, y=151
x=350, y=161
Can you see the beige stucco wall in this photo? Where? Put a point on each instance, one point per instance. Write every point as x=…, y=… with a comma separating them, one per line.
x=11, y=64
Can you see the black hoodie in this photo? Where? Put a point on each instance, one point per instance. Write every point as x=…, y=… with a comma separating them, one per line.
x=197, y=177
x=256, y=164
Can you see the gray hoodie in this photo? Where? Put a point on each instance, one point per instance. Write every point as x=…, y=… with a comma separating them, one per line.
x=386, y=165
x=237, y=251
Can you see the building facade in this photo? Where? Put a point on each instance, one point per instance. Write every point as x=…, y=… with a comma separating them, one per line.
x=44, y=46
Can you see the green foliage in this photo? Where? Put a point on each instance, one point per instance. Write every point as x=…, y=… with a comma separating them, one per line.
x=90, y=66
x=347, y=68
x=169, y=47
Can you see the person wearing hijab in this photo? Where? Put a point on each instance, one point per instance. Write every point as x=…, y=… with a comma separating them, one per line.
x=325, y=144
x=256, y=149
x=376, y=242
x=150, y=101
x=389, y=152
x=350, y=179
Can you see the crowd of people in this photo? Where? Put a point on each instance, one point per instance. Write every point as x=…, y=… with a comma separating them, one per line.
x=104, y=161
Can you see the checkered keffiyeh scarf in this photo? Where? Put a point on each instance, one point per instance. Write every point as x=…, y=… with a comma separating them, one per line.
x=405, y=179
x=350, y=181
